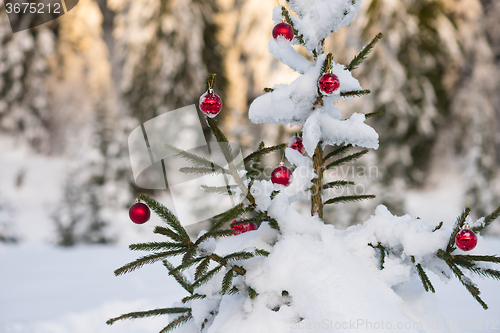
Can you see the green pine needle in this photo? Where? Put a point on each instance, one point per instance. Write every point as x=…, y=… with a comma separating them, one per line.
x=170, y=233
x=425, y=279
x=355, y=93
x=217, y=233
x=149, y=313
x=346, y=159
x=203, y=171
x=375, y=113
x=149, y=259
x=242, y=255
x=166, y=215
x=177, y=322
x=156, y=246
x=192, y=297
x=227, y=216
x=252, y=293
x=263, y=151
x=206, y=277
x=336, y=152
x=193, y=158
x=202, y=268
x=488, y=219
x=262, y=253
x=337, y=184
x=363, y=53
x=178, y=276
x=227, y=281
x=348, y=198
x=476, y=258
x=224, y=190
x=458, y=225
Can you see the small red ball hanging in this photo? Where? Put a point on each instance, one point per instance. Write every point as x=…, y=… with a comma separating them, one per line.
x=282, y=176
x=466, y=239
x=283, y=30
x=296, y=143
x=210, y=104
x=328, y=83
x=243, y=227
x=139, y=213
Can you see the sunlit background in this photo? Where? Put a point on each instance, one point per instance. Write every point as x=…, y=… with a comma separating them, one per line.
x=72, y=90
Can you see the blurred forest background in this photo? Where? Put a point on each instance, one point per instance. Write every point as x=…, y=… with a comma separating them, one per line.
x=73, y=89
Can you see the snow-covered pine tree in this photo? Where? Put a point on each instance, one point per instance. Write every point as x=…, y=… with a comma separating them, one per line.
x=296, y=271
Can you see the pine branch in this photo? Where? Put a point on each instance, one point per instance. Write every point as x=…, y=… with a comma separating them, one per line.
x=337, y=184
x=203, y=171
x=193, y=158
x=227, y=216
x=242, y=255
x=438, y=226
x=348, y=198
x=177, y=322
x=233, y=290
x=423, y=276
x=268, y=90
x=382, y=250
x=458, y=225
x=476, y=258
x=261, y=253
x=178, y=277
x=336, y=152
x=221, y=139
x=491, y=273
x=224, y=190
x=288, y=19
x=471, y=288
x=488, y=219
x=187, y=265
x=243, y=222
x=363, y=53
x=346, y=159
x=149, y=313
x=202, y=268
x=252, y=293
x=218, y=233
x=263, y=151
x=355, y=93
x=188, y=256
x=152, y=258
x=206, y=277
x=167, y=216
x=170, y=233
x=193, y=297
x=375, y=113
x=227, y=281
x=156, y=246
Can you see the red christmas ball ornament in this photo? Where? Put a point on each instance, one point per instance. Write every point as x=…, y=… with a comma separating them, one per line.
x=139, y=213
x=243, y=227
x=284, y=30
x=466, y=239
x=210, y=104
x=296, y=143
x=282, y=176
x=328, y=83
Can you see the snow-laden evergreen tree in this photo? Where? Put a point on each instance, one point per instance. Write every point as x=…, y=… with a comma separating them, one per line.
x=295, y=271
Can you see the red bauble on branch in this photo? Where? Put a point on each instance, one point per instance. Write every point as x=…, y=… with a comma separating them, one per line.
x=210, y=104
x=139, y=213
x=243, y=227
x=296, y=144
x=328, y=83
x=283, y=30
x=282, y=176
x=466, y=239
